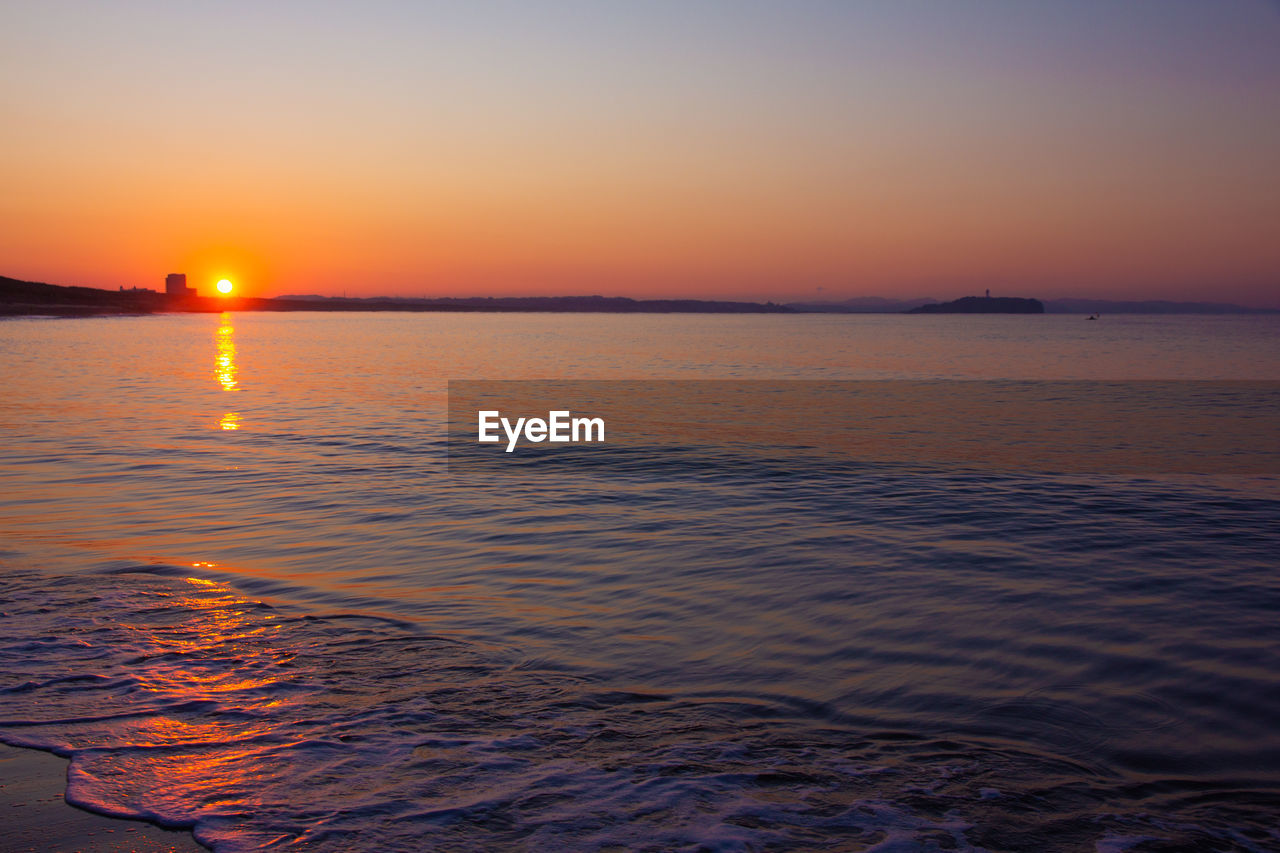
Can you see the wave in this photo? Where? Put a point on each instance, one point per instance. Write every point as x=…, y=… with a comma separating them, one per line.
x=184, y=702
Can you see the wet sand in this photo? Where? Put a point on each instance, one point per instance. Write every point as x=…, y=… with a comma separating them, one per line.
x=34, y=816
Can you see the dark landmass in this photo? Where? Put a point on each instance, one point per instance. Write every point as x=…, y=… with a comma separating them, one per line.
x=1106, y=306
x=983, y=305
x=861, y=305
x=880, y=305
x=30, y=298
x=585, y=304
x=36, y=298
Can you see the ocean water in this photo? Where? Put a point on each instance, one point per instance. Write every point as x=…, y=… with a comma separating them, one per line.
x=244, y=590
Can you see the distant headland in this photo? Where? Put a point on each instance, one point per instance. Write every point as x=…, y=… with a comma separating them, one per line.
x=983, y=305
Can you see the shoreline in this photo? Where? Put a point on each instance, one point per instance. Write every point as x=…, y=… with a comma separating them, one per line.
x=38, y=818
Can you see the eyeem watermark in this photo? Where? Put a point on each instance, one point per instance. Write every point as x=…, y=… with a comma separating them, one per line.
x=1052, y=426
x=559, y=427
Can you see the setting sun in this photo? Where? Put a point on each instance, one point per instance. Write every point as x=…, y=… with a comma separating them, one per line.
x=224, y=286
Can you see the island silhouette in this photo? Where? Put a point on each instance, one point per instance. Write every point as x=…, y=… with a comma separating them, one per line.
x=983, y=305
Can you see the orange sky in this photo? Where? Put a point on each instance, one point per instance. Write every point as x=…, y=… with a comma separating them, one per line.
x=784, y=152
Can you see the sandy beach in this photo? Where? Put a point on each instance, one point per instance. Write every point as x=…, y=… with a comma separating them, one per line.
x=37, y=817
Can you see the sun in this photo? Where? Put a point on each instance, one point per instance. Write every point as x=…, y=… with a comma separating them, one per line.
x=224, y=286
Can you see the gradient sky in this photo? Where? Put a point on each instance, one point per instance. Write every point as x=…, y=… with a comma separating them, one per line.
x=1125, y=149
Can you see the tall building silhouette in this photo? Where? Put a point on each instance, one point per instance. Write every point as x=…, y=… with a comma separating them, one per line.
x=175, y=284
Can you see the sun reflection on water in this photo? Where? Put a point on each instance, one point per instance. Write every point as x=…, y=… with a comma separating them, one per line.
x=224, y=367
x=225, y=363
x=193, y=655
x=196, y=651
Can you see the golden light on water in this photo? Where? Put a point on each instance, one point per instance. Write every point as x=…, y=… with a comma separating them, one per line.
x=225, y=286
x=225, y=361
x=224, y=367
x=223, y=653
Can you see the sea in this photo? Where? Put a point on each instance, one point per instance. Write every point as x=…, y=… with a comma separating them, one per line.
x=251, y=585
